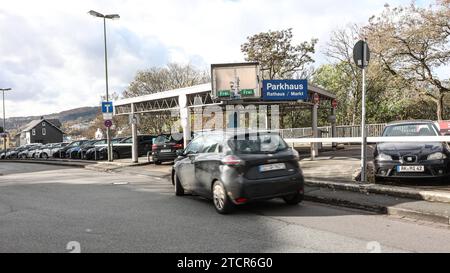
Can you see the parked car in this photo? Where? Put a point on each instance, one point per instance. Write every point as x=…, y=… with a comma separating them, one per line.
x=14, y=153
x=74, y=153
x=30, y=152
x=89, y=145
x=165, y=148
x=3, y=154
x=62, y=151
x=99, y=152
x=418, y=160
x=40, y=152
x=54, y=151
x=6, y=155
x=234, y=168
x=24, y=152
x=123, y=149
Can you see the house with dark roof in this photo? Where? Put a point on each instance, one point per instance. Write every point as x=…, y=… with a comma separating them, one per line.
x=41, y=131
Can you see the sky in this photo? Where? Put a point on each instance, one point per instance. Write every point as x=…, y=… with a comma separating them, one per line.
x=52, y=51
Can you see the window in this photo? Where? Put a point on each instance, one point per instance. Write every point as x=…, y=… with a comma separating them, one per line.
x=33, y=132
x=211, y=144
x=128, y=140
x=43, y=124
x=413, y=129
x=162, y=139
x=195, y=146
x=257, y=143
x=44, y=131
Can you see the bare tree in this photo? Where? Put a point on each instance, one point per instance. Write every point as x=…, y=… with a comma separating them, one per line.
x=278, y=57
x=340, y=50
x=413, y=44
x=158, y=79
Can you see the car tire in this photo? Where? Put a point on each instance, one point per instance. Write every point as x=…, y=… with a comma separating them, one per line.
x=115, y=155
x=221, y=201
x=44, y=156
x=293, y=199
x=149, y=156
x=158, y=162
x=179, y=190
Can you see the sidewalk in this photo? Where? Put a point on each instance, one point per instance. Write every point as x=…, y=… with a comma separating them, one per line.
x=335, y=170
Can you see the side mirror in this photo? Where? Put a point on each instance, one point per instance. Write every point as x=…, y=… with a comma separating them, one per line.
x=180, y=152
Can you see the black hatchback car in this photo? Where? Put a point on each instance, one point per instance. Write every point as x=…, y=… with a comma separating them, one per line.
x=123, y=148
x=234, y=168
x=407, y=161
x=165, y=148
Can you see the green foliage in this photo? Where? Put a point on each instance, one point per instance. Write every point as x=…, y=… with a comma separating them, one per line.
x=412, y=44
x=278, y=56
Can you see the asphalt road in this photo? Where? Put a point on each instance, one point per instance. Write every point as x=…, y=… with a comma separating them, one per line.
x=45, y=208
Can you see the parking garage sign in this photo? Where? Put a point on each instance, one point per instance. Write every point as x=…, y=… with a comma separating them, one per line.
x=285, y=90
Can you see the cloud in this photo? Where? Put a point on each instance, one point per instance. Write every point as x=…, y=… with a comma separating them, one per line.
x=51, y=52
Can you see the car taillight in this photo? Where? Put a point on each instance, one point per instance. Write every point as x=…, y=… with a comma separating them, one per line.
x=241, y=200
x=231, y=160
x=154, y=147
x=178, y=146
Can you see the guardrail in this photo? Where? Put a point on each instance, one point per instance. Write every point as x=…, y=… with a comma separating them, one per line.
x=414, y=139
x=373, y=130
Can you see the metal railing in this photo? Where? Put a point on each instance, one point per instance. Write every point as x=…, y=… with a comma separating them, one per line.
x=373, y=130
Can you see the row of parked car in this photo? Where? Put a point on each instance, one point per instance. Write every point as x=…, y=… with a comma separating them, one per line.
x=158, y=149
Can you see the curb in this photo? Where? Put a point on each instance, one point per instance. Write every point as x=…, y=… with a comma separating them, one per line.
x=94, y=166
x=425, y=195
x=427, y=216
x=54, y=163
x=346, y=203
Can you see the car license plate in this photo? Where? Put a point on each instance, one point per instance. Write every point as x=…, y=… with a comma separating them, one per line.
x=166, y=150
x=272, y=167
x=410, y=169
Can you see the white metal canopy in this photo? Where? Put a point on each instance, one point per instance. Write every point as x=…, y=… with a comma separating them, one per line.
x=198, y=96
x=170, y=100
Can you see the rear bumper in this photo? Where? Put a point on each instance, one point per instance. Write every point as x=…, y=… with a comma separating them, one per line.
x=157, y=156
x=261, y=189
x=433, y=170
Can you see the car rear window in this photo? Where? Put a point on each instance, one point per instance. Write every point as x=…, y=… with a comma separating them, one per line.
x=257, y=143
x=163, y=139
x=410, y=130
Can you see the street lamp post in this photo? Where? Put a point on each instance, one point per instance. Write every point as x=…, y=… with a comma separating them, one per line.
x=112, y=17
x=4, y=118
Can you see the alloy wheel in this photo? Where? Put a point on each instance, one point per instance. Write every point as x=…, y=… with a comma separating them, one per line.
x=219, y=196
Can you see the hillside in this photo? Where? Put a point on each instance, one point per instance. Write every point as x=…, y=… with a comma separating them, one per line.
x=74, y=116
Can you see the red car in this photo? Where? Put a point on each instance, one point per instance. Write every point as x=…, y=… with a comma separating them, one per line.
x=445, y=127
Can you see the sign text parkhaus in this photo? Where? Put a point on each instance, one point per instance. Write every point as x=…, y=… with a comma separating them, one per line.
x=285, y=90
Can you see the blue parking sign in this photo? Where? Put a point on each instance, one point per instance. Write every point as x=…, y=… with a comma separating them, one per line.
x=285, y=90
x=107, y=107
